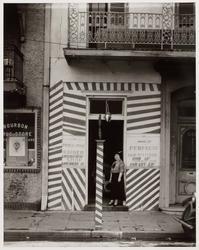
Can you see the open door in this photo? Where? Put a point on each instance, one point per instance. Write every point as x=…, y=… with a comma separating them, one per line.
x=112, y=133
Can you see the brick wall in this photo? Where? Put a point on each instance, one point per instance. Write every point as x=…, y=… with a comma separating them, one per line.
x=23, y=190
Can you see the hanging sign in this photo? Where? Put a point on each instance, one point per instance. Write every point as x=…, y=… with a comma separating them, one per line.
x=143, y=151
x=73, y=151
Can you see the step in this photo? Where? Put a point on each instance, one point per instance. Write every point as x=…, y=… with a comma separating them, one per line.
x=174, y=210
x=91, y=207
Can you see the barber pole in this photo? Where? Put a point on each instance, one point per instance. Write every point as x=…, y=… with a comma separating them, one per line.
x=99, y=185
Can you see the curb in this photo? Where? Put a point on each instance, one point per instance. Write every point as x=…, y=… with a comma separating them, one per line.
x=89, y=235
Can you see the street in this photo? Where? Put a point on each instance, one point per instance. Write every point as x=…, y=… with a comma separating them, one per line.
x=99, y=244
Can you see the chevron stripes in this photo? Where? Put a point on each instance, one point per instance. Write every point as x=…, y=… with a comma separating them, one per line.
x=99, y=185
x=142, y=188
x=55, y=146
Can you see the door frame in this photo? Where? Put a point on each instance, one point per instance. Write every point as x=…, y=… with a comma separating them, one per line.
x=113, y=117
x=189, y=123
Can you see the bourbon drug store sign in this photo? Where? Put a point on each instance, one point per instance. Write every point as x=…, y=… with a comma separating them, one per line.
x=143, y=151
x=73, y=151
x=20, y=124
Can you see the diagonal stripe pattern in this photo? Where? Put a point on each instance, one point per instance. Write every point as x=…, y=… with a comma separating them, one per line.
x=99, y=184
x=73, y=188
x=55, y=146
x=74, y=123
x=142, y=189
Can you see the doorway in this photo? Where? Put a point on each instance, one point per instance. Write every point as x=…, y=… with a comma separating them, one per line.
x=183, y=143
x=112, y=133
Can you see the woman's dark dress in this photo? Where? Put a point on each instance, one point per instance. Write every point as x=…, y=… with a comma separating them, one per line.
x=117, y=188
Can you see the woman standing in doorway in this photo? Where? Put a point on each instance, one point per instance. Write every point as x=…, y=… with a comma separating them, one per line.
x=117, y=181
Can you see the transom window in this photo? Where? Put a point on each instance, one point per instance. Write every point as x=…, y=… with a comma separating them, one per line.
x=100, y=106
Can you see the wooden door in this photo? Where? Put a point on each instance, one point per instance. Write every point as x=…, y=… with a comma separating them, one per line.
x=183, y=143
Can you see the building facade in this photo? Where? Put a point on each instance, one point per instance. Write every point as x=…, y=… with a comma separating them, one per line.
x=23, y=86
x=136, y=62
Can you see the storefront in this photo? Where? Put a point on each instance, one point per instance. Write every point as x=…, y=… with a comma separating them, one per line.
x=134, y=129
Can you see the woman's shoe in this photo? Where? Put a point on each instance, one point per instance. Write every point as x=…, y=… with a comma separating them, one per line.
x=111, y=202
x=116, y=203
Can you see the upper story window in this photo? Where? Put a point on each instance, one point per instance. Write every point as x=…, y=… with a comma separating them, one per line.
x=184, y=14
x=106, y=14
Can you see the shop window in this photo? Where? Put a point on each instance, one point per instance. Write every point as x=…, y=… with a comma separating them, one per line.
x=21, y=138
x=99, y=106
x=188, y=151
x=186, y=116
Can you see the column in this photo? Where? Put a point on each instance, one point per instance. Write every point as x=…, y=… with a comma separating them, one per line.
x=99, y=184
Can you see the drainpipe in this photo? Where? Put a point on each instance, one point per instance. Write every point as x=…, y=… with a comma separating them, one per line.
x=45, y=105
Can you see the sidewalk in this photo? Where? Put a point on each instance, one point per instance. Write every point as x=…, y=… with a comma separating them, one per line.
x=63, y=226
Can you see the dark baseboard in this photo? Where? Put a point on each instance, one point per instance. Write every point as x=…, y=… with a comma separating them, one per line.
x=23, y=205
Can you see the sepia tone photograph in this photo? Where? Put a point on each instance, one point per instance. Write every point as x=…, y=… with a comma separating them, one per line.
x=99, y=124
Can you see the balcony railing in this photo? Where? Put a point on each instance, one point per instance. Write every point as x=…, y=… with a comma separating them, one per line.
x=13, y=64
x=116, y=30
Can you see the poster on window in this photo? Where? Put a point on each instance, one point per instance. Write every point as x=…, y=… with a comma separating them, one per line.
x=73, y=151
x=16, y=146
x=143, y=151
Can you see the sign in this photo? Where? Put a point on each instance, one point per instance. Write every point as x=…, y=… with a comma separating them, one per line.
x=143, y=151
x=73, y=151
x=20, y=124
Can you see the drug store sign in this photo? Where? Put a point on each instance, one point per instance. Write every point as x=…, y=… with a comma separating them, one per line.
x=143, y=151
x=73, y=151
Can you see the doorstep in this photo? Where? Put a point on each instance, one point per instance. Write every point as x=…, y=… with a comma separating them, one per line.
x=173, y=210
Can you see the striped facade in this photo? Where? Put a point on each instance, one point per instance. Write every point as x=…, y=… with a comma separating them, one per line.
x=67, y=186
x=55, y=147
x=74, y=124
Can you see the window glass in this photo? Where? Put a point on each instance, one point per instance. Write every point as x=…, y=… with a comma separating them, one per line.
x=20, y=139
x=99, y=106
x=188, y=159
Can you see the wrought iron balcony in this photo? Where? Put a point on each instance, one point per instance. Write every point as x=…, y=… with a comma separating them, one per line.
x=131, y=31
x=13, y=64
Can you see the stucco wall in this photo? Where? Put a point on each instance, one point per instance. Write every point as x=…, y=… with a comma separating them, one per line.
x=33, y=50
x=109, y=71
x=88, y=70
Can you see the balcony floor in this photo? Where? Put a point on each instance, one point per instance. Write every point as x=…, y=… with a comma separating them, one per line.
x=82, y=53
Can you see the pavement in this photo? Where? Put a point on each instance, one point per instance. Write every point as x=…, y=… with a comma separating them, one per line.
x=26, y=225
